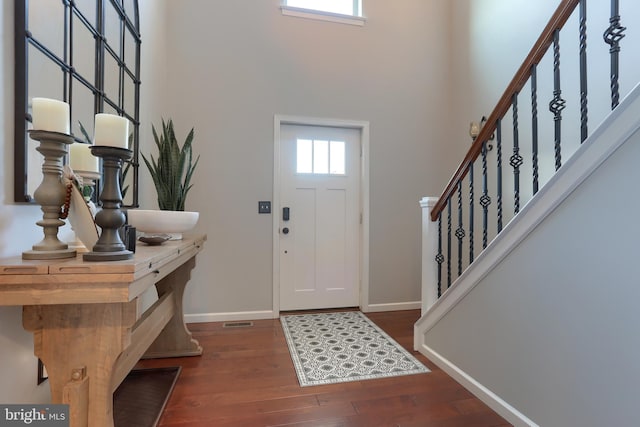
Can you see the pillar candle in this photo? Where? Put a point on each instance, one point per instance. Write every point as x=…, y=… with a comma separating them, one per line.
x=50, y=115
x=81, y=158
x=111, y=130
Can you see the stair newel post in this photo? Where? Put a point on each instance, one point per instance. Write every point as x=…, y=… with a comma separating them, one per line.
x=431, y=247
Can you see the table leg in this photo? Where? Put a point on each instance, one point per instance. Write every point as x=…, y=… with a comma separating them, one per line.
x=73, y=336
x=175, y=340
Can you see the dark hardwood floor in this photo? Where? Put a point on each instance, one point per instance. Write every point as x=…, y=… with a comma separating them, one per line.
x=245, y=377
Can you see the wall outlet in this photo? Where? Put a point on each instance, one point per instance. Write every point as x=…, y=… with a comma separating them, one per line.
x=264, y=207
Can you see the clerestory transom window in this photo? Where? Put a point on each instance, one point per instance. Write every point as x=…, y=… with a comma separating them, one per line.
x=342, y=11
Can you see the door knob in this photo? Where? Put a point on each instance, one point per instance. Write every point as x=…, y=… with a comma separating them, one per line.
x=285, y=230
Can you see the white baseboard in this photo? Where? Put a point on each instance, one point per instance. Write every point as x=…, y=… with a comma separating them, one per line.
x=224, y=317
x=269, y=314
x=492, y=400
x=397, y=306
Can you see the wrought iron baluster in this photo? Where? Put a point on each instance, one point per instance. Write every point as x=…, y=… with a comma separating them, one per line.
x=583, y=71
x=471, y=197
x=557, y=104
x=534, y=127
x=612, y=37
x=516, y=159
x=448, y=242
x=485, y=200
x=439, y=256
x=460, y=230
x=499, y=171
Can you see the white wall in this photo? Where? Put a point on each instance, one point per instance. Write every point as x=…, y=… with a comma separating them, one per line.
x=226, y=68
x=233, y=65
x=491, y=38
x=153, y=92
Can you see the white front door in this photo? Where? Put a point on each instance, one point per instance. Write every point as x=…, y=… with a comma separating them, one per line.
x=319, y=217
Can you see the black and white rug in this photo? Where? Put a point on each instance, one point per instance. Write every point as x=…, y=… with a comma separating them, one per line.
x=331, y=348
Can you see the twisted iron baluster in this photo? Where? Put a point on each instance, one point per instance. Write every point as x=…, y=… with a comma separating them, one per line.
x=583, y=71
x=460, y=230
x=471, y=196
x=534, y=127
x=485, y=200
x=448, y=242
x=499, y=171
x=516, y=159
x=439, y=256
x=612, y=37
x=557, y=104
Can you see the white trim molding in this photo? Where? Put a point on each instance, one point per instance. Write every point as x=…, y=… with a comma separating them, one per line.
x=394, y=306
x=492, y=400
x=226, y=317
x=429, y=248
x=322, y=16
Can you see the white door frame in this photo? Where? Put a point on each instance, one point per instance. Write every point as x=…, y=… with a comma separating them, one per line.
x=363, y=127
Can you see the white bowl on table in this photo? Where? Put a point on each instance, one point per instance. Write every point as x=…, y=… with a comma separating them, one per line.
x=153, y=221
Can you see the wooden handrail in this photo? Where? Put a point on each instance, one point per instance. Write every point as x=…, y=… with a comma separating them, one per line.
x=557, y=21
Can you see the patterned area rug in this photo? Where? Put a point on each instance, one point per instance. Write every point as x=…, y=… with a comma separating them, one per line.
x=331, y=348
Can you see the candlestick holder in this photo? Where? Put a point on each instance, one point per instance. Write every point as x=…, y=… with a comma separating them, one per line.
x=109, y=246
x=50, y=195
x=88, y=182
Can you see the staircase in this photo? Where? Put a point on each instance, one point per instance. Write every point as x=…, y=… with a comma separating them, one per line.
x=541, y=321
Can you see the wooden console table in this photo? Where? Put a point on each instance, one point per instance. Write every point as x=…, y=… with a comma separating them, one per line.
x=87, y=324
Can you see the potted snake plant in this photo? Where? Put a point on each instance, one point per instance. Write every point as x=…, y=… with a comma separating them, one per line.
x=173, y=169
x=171, y=172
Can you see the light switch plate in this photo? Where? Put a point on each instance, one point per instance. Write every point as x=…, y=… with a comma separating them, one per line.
x=264, y=207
